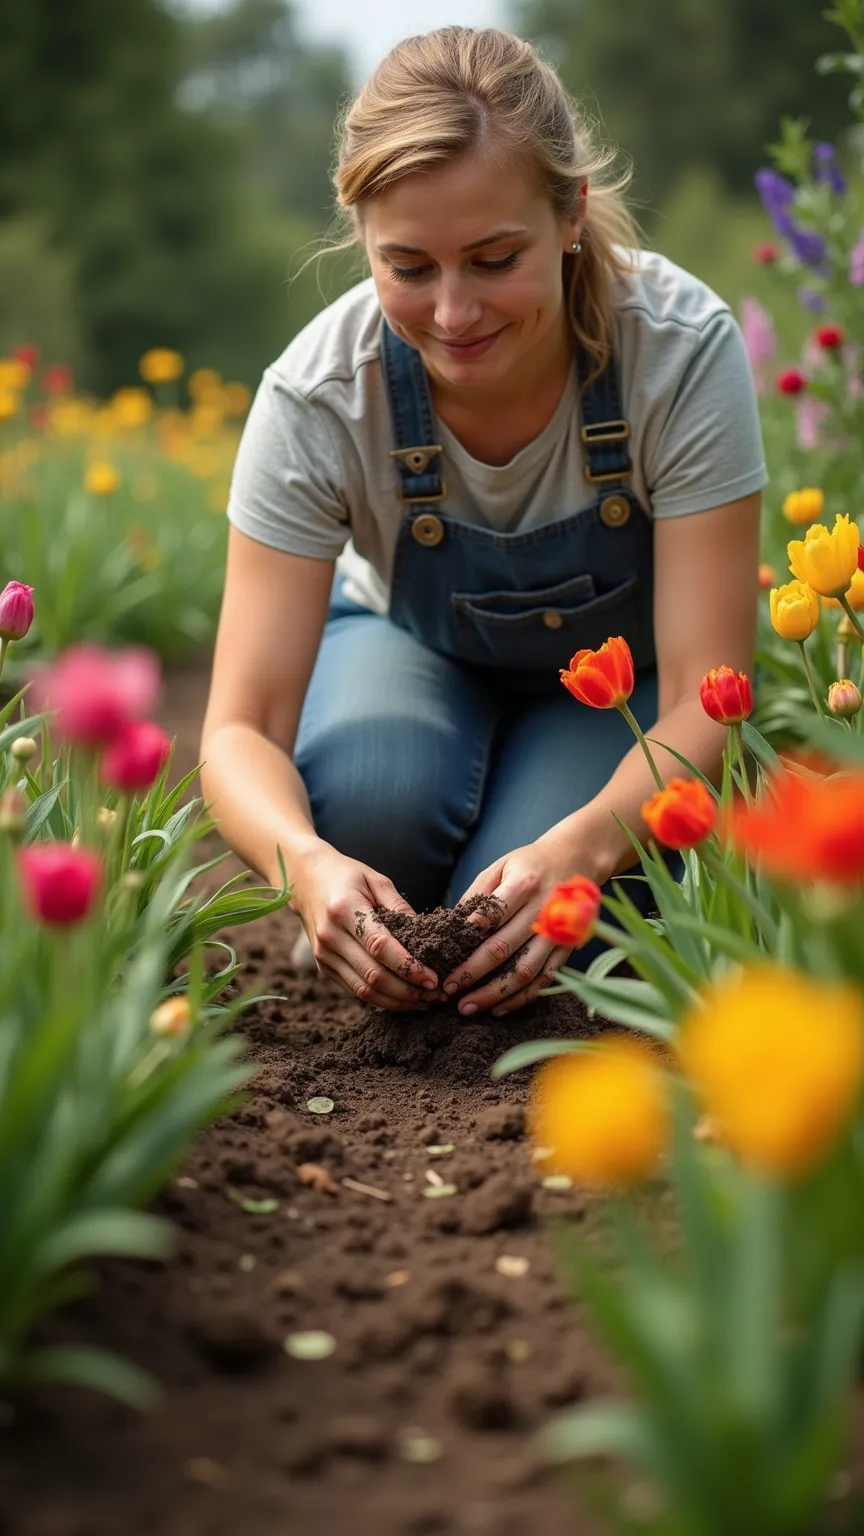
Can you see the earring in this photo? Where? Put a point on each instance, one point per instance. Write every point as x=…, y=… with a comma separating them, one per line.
x=576, y=246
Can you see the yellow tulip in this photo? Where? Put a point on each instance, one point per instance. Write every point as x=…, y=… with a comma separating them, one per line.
x=854, y=595
x=794, y=610
x=778, y=1059
x=14, y=375
x=160, y=365
x=236, y=399
x=803, y=506
x=131, y=407
x=826, y=559
x=204, y=381
x=603, y=1115
x=101, y=478
x=9, y=404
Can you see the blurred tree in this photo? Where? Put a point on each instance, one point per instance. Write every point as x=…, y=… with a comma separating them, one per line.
x=685, y=83
x=172, y=242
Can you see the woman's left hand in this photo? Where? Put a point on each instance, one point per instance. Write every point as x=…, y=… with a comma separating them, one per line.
x=521, y=882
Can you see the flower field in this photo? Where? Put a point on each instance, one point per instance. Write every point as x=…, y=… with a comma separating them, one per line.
x=599, y=1267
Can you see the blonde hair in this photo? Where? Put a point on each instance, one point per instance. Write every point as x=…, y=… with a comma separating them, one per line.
x=438, y=96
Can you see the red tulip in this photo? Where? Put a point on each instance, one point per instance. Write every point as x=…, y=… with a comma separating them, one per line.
x=726, y=695
x=792, y=382
x=682, y=814
x=26, y=354
x=132, y=761
x=569, y=912
x=601, y=678
x=60, y=882
x=16, y=610
x=96, y=693
x=830, y=337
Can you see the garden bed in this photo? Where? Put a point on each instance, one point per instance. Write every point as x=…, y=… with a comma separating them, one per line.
x=452, y=1338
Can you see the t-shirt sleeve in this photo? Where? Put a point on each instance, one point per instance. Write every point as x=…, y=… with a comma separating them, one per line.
x=287, y=488
x=708, y=449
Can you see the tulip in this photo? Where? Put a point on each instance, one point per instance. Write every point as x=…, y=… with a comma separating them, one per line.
x=133, y=759
x=96, y=693
x=9, y=404
x=14, y=375
x=603, y=1115
x=844, y=699
x=61, y=883
x=101, y=479
x=805, y=830
x=831, y=337
x=16, y=611
x=604, y=678
x=160, y=365
x=767, y=577
x=854, y=594
x=682, y=814
x=173, y=1017
x=26, y=354
x=794, y=610
x=726, y=695
x=569, y=913
x=826, y=558
x=803, y=506
x=756, y=1027
x=792, y=382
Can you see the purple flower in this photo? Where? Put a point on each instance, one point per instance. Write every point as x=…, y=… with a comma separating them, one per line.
x=777, y=196
x=856, y=263
x=810, y=299
x=806, y=246
x=827, y=170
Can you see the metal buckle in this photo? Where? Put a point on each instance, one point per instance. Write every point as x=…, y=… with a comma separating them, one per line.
x=615, y=474
x=417, y=459
x=606, y=432
x=411, y=500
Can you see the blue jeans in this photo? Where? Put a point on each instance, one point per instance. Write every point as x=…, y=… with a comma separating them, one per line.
x=429, y=770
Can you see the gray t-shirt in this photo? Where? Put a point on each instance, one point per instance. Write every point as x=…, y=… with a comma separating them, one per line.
x=314, y=475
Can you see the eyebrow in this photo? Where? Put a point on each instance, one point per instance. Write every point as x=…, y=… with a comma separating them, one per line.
x=412, y=250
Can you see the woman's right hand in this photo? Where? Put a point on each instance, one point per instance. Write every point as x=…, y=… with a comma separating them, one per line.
x=333, y=897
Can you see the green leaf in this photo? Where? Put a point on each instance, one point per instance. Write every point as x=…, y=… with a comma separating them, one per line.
x=763, y=752
x=129, y=1234
x=600, y=1429
x=532, y=1051
x=254, y=1207
x=83, y=1365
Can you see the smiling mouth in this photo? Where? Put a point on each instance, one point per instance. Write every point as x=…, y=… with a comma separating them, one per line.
x=473, y=341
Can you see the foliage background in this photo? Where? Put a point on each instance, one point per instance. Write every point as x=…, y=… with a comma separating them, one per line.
x=162, y=174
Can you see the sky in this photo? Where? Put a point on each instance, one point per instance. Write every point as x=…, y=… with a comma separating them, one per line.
x=368, y=28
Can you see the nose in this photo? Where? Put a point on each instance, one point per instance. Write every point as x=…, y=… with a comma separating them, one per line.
x=456, y=311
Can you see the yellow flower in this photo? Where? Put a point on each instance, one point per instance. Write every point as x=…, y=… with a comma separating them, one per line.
x=794, y=610
x=14, y=375
x=204, y=381
x=9, y=404
x=236, y=399
x=826, y=558
x=854, y=594
x=131, y=407
x=160, y=365
x=803, y=506
x=778, y=1059
x=602, y=1115
x=101, y=478
x=173, y=1017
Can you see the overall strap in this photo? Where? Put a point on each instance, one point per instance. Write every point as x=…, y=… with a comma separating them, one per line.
x=417, y=455
x=604, y=430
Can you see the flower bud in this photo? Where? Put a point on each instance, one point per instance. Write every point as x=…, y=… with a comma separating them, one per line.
x=844, y=699
x=16, y=610
x=792, y=382
x=726, y=695
x=13, y=813
x=134, y=759
x=24, y=749
x=846, y=632
x=570, y=911
x=804, y=506
x=60, y=882
x=767, y=577
x=105, y=818
x=173, y=1017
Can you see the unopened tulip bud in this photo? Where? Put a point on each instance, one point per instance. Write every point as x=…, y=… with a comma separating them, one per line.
x=105, y=818
x=172, y=1017
x=846, y=630
x=16, y=610
x=13, y=813
x=24, y=749
x=844, y=699
x=767, y=577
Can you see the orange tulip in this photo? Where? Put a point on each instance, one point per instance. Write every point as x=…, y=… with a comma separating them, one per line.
x=682, y=814
x=726, y=695
x=604, y=678
x=809, y=829
x=569, y=912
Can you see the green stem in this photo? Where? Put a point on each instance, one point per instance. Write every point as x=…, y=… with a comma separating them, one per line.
x=707, y=852
x=850, y=614
x=735, y=733
x=625, y=710
x=810, y=683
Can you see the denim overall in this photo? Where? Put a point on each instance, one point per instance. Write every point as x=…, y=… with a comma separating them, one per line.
x=521, y=603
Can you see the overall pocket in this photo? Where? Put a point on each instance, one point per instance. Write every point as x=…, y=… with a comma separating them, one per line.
x=541, y=629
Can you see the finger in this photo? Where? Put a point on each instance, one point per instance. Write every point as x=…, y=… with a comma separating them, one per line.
x=388, y=949
x=500, y=944
x=363, y=983
x=528, y=961
x=385, y=894
x=529, y=994
x=486, y=884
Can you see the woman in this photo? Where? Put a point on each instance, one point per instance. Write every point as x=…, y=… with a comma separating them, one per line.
x=534, y=437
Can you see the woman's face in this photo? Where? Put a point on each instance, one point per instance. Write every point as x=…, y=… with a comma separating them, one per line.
x=467, y=265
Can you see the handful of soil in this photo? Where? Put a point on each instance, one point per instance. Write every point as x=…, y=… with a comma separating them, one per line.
x=444, y=1043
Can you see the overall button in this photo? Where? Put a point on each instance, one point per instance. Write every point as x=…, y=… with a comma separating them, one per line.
x=615, y=511
x=427, y=530
x=552, y=620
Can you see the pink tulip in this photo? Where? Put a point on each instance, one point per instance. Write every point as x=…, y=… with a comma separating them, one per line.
x=60, y=882
x=16, y=610
x=132, y=761
x=96, y=693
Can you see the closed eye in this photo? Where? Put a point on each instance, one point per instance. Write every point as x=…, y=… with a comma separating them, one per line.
x=413, y=274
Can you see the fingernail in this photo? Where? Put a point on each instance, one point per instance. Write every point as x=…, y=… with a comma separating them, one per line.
x=450, y=987
x=467, y=1007
x=498, y=1013
x=430, y=985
